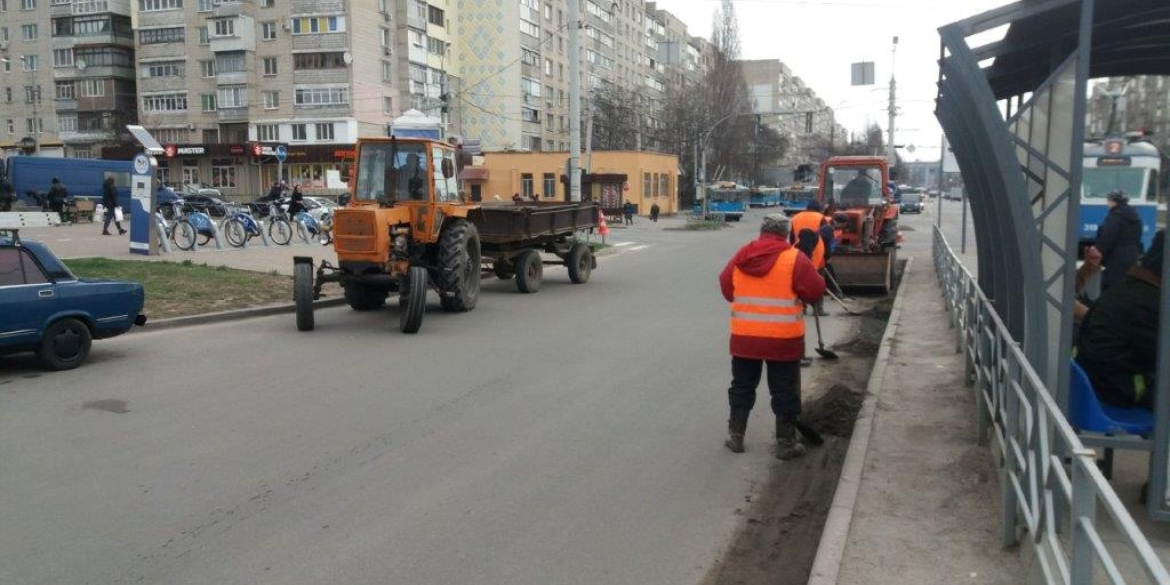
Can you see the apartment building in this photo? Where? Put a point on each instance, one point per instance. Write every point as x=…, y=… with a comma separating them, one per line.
x=427, y=58
x=221, y=82
x=68, y=75
x=1143, y=105
x=514, y=61
x=793, y=109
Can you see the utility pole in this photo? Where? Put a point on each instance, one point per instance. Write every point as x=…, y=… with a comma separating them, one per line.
x=574, y=100
x=891, y=153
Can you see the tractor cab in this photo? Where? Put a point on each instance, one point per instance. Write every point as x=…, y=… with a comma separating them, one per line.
x=850, y=182
x=392, y=171
x=856, y=192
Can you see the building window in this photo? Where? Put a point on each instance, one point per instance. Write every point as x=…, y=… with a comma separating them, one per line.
x=37, y=125
x=93, y=88
x=152, y=36
x=530, y=86
x=529, y=57
x=204, y=6
x=387, y=106
x=664, y=185
x=32, y=93
x=269, y=66
x=548, y=70
x=204, y=36
x=529, y=29
x=11, y=126
x=526, y=186
x=207, y=102
x=271, y=100
x=165, y=102
x=387, y=71
x=234, y=62
x=8, y=94
x=647, y=186
x=168, y=69
x=321, y=96
x=83, y=153
x=28, y=32
x=268, y=30
x=157, y=5
x=530, y=114
x=267, y=132
x=207, y=68
x=232, y=96
x=550, y=185
x=435, y=16
x=64, y=90
x=62, y=57
x=32, y=62
x=324, y=131
x=436, y=46
x=67, y=123
x=267, y=3
x=28, y=4
x=318, y=25
x=225, y=27
x=532, y=143
x=223, y=173
x=300, y=132
x=319, y=61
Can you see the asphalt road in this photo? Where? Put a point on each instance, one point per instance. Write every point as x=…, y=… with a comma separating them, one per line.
x=572, y=436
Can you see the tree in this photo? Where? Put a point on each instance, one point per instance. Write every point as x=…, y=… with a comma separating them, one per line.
x=727, y=97
x=766, y=146
x=613, y=117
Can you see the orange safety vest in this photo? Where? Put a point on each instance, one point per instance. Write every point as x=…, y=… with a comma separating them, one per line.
x=767, y=306
x=811, y=220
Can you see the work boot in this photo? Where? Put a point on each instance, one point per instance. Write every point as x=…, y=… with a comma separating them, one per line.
x=106, y=233
x=736, y=428
x=788, y=445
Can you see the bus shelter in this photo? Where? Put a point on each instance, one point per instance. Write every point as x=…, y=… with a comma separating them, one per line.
x=1012, y=99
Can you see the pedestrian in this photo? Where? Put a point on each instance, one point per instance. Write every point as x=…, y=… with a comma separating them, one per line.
x=807, y=236
x=110, y=205
x=56, y=197
x=766, y=282
x=1119, y=239
x=274, y=193
x=628, y=212
x=654, y=210
x=7, y=194
x=516, y=198
x=296, y=203
x=1118, y=344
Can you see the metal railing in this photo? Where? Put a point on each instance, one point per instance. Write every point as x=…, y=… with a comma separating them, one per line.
x=1050, y=484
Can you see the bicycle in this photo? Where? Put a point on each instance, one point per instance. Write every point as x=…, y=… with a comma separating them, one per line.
x=178, y=229
x=198, y=217
x=239, y=226
x=308, y=227
x=280, y=230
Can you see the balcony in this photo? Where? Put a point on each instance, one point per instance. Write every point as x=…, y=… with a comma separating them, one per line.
x=231, y=78
x=56, y=10
x=65, y=105
x=417, y=55
x=86, y=136
x=161, y=18
x=100, y=39
x=232, y=44
x=227, y=9
x=64, y=73
x=319, y=42
x=322, y=110
x=316, y=76
x=228, y=115
x=315, y=7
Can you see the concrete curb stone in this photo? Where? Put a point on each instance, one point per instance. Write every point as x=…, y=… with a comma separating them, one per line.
x=234, y=315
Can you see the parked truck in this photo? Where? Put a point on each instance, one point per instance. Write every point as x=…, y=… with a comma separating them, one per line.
x=31, y=176
x=408, y=230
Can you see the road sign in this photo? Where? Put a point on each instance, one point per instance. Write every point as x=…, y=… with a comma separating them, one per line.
x=281, y=153
x=862, y=73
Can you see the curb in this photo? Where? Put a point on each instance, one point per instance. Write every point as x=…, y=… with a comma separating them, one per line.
x=234, y=315
x=831, y=549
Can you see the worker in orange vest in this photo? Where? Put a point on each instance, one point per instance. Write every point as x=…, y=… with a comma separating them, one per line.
x=811, y=220
x=766, y=283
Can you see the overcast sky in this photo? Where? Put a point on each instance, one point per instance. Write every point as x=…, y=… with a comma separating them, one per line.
x=819, y=39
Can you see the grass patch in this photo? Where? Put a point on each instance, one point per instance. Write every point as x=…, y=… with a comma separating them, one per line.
x=177, y=289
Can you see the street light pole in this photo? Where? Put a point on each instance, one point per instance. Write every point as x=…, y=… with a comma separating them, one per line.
x=891, y=153
x=703, y=155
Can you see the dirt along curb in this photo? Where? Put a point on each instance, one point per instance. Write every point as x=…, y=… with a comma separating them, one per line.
x=235, y=315
x=831, y=549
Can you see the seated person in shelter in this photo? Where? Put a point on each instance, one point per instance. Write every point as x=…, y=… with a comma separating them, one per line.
x=857, y=190
x=1118, y=344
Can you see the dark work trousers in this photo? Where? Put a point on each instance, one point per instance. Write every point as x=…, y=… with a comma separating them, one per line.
x=783, y=383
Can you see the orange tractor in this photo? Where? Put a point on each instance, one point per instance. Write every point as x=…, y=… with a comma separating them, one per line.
x=856, y=193
x=407, y=230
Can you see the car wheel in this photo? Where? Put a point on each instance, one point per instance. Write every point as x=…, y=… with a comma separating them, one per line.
x=65, y=345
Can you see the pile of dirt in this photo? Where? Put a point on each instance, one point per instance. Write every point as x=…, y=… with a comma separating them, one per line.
x=835, y=412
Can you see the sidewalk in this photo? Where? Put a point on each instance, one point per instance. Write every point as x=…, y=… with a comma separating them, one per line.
x=927, y=508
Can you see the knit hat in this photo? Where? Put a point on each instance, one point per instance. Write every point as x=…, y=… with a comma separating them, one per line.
x=776, y=223
x=1152, y=259
x=1117, y=196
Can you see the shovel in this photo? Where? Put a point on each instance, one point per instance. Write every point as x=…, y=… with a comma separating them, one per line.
x=842, y=303
x=821, y=349
x=809, y=433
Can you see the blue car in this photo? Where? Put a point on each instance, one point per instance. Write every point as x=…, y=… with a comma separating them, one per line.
x=45, y=309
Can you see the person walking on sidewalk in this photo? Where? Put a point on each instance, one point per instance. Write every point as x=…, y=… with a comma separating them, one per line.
x=57, y=195
x=628, y=211
x=110, y=204
x=766, y=282
x=654, y=211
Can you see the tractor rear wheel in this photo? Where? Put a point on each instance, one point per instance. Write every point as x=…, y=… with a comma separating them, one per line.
x=412, y=301
x=459, y=266
x=529, y=271
x=364, y=298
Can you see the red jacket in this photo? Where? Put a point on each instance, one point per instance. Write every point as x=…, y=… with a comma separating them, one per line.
x=757, y=259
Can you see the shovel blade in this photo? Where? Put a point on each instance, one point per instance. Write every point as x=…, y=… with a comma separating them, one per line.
x=827, y=353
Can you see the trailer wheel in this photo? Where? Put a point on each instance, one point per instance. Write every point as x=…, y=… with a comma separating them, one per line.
x=529, y=271
x=503, y=269
x=412, y=302
x=364, y=298
x=580, y=263
x=459, y=266
x=303, y=295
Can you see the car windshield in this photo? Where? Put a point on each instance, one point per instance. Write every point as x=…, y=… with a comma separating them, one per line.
x=854, y=186
x=911, y=198
x=389, y=172
x=1099, y=182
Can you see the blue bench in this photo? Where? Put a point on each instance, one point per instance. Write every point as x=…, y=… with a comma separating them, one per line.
x=1102, y=425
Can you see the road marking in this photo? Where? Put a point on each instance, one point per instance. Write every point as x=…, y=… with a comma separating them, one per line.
x=621, y=244
x=636, y=248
